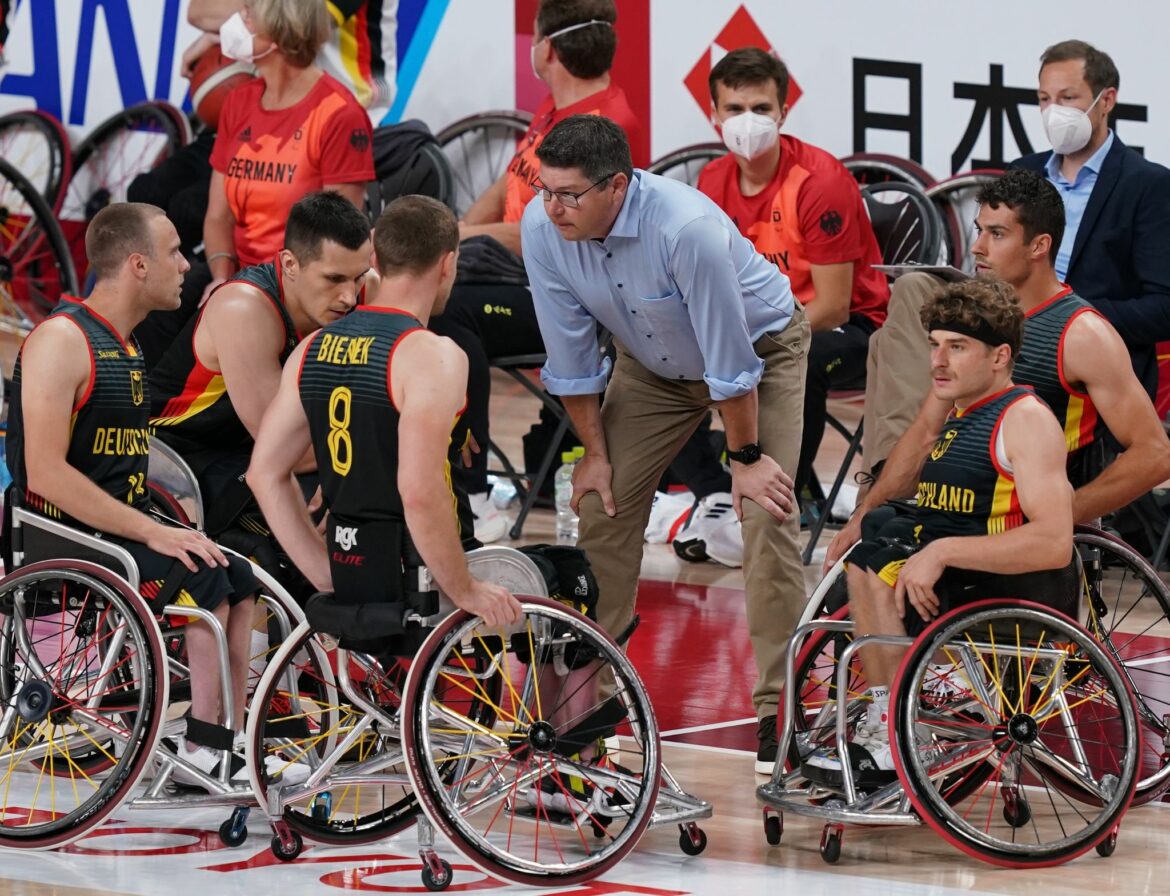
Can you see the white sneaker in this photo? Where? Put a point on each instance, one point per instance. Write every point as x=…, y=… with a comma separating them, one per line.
x=207, y=761
x=490, y=524
x=289, y=772
x=668, y=515
x=713, y=533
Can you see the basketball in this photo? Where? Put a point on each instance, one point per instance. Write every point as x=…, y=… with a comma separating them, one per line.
x=214, y=77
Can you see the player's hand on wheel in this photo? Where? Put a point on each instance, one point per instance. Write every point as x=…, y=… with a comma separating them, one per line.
x=494, y=604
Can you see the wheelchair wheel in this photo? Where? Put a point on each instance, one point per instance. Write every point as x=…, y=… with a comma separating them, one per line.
x=815, y=677
x=479, y=149
x=1127, y=606
x=1037, y=700
x=303, y=718
x=955, y=200
x=686, y=163
x=36, y=144
x=538, y=798
x=84, y=692
x=115, y=152
x=879, y=168
x=35, y=265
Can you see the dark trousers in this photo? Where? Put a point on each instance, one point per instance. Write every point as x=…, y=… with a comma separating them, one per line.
x=836, y=360
x=179, y=186
x=486, y=321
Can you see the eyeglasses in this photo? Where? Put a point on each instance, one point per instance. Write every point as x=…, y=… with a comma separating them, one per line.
x=564, y=197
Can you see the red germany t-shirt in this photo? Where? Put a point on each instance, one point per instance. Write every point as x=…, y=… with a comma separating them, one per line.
x=811, y=213
x=524, y=168
x=270, y=158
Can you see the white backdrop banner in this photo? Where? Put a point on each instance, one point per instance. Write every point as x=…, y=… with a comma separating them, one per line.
x=952, y=86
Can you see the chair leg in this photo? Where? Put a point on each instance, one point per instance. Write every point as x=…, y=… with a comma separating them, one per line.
x=818, y=525
x=534, y=483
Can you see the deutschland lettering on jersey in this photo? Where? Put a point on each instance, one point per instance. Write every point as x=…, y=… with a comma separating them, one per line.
x=190, y=407
x=109, y=437
x=963, y=489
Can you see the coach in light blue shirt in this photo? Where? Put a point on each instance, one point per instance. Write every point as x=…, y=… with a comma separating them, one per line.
x=699, y=319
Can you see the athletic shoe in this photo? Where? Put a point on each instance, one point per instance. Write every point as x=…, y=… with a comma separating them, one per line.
x=490, y=524
x=870, y=757
x=769, y=745
x=668, y=515
x=701, y=535
x=205, y=760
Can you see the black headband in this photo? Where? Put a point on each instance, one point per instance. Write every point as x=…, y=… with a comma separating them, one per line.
x=984, y=331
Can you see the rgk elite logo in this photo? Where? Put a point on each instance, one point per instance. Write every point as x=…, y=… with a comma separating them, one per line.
x=346, y=537
x=741, y=30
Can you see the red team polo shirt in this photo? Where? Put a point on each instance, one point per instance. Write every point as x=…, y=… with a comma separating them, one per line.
x=811, y=213
x=271, y=159
x=524, y=169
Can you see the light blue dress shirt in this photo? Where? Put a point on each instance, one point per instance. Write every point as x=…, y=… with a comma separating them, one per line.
x=1076, y=198
x=674, y=282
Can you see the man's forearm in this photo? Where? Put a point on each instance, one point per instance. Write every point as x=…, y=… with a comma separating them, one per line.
x=585, y=413
x=507, y=235
x=75, y=494
x=283, y=506
x=1030, y=548
x=741, y=419
x=433, y=529
x=1133, y=473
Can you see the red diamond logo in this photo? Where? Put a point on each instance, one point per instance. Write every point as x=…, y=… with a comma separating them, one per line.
x=741, y=30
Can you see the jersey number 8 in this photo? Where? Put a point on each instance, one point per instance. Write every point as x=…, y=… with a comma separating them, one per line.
x=340, y=441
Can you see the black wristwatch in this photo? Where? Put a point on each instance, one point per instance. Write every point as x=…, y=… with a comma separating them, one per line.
x=748, y=454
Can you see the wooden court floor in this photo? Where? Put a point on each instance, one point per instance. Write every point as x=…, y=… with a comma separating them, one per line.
x=695, y=658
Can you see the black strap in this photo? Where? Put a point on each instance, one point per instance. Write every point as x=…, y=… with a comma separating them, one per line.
x=207, y=734
x=170, y=586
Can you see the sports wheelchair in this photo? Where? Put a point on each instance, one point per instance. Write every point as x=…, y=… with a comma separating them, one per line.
x=92, y=679
x=1014, y=730
x=534, y=750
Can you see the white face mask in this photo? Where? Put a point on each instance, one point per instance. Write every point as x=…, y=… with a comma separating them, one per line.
x=750, y=135
x=236, y=41
x=1068, y=128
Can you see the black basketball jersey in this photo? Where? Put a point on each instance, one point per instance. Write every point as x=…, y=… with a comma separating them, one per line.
x=963, y=489
x=190, y=407
x=109, y=437
x=1040, y=365
x=345, y=390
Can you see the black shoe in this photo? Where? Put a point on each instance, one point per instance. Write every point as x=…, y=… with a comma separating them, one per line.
x=766, y=754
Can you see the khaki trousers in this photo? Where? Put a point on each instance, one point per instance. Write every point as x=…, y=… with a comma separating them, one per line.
x=647, y=419
x=897, y=375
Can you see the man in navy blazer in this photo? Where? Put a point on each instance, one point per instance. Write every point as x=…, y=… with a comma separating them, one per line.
x=1116, y=248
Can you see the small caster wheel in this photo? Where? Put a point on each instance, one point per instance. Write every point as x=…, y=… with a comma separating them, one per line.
x=831, y=843
x=287, y=849
x=1106, y=847
x=692, y=839
x=773, y=829
x=436, y=881
x=598, y=830
x=1017, y=813
x=232, y=834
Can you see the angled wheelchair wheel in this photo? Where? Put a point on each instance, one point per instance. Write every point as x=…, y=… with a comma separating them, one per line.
x=1127, y=607
x=686, y=163
x=123, y=146
x=35, y=264
x=1036, y=700
x=479, y=149
x=544, y=796
x=311, y=716
x=879, y=168
x=815, y=682
x=955, y=199
x=36, y=144
x=84, y=694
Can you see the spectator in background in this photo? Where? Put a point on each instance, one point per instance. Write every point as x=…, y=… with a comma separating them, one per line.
x=572, y=51
x=1117, y=216
x=359, y=52
x=802, y=210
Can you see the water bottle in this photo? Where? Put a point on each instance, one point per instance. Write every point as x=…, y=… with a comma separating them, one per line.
x=563, y=494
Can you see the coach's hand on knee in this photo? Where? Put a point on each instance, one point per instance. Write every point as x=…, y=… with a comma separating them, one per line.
x=593, y=473
x=766, y=484
x=494, y=604
x=185, y=545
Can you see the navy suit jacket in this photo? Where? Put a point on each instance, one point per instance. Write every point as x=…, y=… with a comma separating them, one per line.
x=1121, y=258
